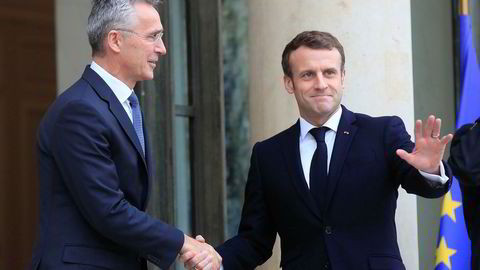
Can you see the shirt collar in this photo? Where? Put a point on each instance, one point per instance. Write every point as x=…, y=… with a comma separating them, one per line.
x=332, y=123
x=120, y=89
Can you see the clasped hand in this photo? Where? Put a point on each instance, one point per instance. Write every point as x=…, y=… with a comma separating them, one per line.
x=198, y=255
x=429, y=147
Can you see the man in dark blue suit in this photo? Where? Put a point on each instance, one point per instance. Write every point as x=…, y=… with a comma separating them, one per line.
x=328, y=185
x=94, y=161
x=465, y=162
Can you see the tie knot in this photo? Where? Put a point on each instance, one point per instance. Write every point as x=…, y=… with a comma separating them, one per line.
x=133, y=99
x=319, y=133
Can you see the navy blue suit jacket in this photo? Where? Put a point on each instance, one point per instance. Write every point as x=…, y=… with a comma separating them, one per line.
x=465, y=162
x=356, y=227
x=94, y=185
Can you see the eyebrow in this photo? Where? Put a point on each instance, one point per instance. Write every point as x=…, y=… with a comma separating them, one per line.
x=330, y=69
x=154, y=32
x=301, y=72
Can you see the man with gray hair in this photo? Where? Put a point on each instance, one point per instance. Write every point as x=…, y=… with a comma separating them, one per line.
x=94, y=161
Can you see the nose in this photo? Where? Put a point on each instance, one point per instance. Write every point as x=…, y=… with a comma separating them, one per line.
x=160, y=48
x=321, y=82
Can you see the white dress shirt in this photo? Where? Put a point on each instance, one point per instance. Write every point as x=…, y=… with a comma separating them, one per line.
x=120, y=89
x=308, y=145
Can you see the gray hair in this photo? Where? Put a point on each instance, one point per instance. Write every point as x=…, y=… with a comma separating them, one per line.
x=107, y=15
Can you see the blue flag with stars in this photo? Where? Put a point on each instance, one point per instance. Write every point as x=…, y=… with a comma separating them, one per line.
x=453, y=245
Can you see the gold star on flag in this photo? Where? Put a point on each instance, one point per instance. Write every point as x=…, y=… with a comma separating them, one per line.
x=444, y=253
x=449, y=206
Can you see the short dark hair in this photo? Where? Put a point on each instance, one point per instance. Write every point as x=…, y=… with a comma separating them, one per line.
x=312, y=40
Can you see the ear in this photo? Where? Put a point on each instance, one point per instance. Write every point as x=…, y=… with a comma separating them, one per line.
x=114, y=41
x=289, y=85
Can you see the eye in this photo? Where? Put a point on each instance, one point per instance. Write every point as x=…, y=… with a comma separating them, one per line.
x=307, y=75
x=329, y=73
x=155, y=36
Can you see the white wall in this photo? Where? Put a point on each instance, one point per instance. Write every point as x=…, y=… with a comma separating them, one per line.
x=73, y=49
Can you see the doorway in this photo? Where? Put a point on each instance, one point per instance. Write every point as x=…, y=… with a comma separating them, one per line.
x=27, y=85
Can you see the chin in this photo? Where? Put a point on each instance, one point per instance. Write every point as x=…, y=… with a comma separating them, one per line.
x=147, y=77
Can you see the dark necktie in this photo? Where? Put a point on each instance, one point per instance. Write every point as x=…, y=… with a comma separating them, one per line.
x=137, y=119
x=318, y=167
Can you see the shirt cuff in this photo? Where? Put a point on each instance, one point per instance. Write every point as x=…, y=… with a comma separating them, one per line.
x=442, y=178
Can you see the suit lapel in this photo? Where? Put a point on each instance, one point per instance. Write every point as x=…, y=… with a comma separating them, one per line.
x=291, y=152
x=148, y=157
x=345, y=134
x=104, y=91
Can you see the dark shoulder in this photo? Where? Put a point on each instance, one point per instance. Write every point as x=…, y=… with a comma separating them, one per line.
x=465, y=154
x=78, y=95
x=467, y=134
x=467, y=129
x=367, y=121
x=289, y=135
x=80, y=90
x=386, y=129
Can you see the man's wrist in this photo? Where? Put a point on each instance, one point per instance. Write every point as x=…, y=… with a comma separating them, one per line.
x=439, y=177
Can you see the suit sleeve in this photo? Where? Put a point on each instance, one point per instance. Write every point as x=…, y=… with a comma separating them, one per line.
x=82, y=152
x=396, y=137
x=465, y=154
x=256, y=234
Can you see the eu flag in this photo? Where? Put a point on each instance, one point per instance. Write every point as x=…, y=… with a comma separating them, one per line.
x=453, y=245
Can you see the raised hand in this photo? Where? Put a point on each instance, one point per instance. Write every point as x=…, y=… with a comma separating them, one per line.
x=198, y=255
x=429, y=147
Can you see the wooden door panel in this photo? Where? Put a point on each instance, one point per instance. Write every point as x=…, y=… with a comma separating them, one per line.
x=27, y=85
x=3, y=173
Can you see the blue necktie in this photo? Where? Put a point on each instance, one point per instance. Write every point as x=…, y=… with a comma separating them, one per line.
x=318, y=167
x=137, y=119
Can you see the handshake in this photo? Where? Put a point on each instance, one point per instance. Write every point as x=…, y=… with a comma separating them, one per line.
x=198, y=255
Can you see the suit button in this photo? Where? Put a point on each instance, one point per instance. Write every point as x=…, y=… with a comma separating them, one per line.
x=325, y=266
x=328, y=230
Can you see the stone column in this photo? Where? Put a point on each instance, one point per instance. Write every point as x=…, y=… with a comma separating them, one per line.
x=376, y=36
